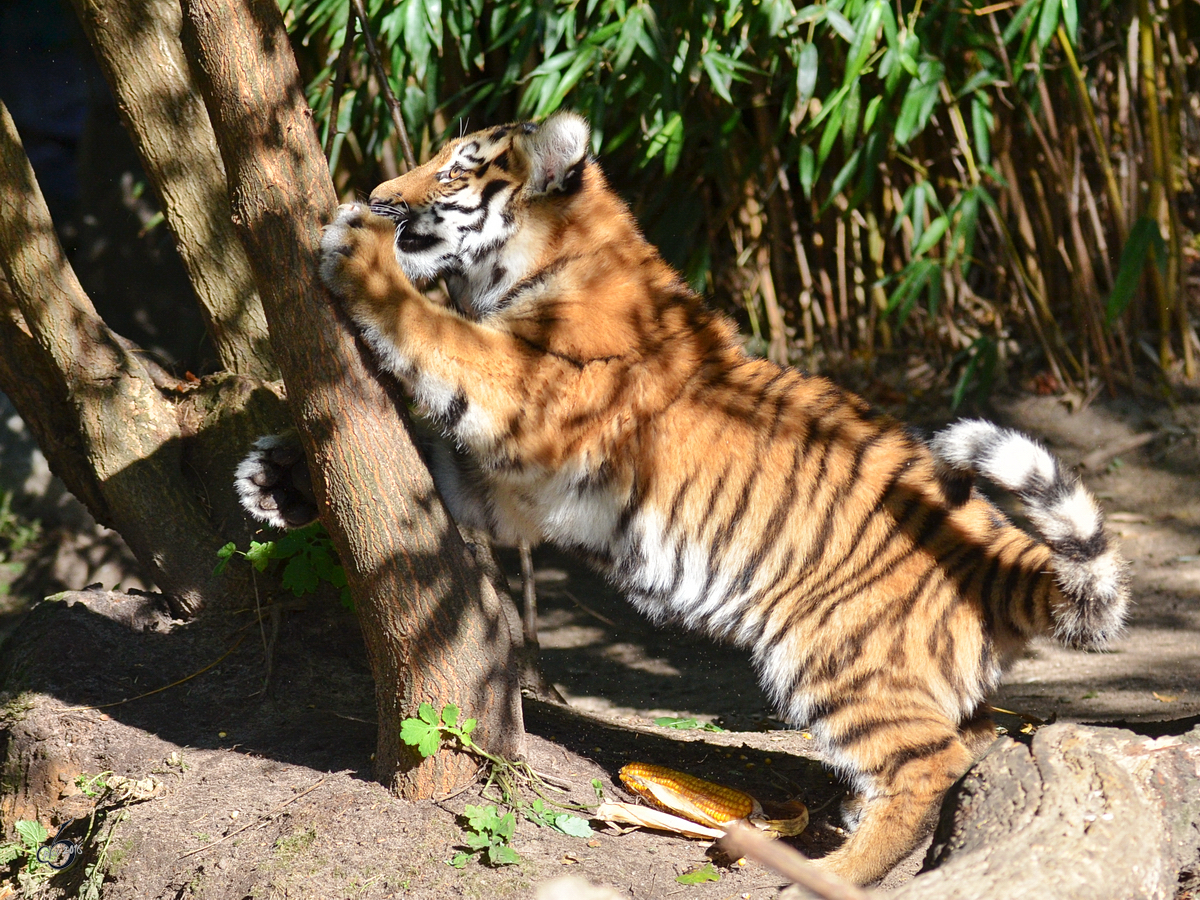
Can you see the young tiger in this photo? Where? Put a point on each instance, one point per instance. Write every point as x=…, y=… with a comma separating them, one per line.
x=591, y=400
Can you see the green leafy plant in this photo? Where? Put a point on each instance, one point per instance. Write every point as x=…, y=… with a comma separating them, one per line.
x=488, y=834
x=848, y=177
x=538, y=813
x=684, y=724
x=92, y=786
x=707, y=872
x=16, y=533
x=426, y=733
x=306, y=557
x=30, y=837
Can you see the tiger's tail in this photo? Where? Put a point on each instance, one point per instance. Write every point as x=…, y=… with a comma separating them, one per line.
x=1087, y=566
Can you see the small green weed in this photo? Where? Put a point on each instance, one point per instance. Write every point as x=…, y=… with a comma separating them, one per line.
x=16, y=533
x=307, y=559
x=428, y=729
x=705, y=873
x=30, y=837
x=92, y=785
x=687, y=724
x=488, y=834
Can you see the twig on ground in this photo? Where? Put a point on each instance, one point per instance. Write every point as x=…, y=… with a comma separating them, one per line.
x=219, y=659
x=259, y=821
x=742, y=840
x=1097, y=459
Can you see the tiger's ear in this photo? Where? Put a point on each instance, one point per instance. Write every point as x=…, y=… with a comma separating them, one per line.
x=556, y=152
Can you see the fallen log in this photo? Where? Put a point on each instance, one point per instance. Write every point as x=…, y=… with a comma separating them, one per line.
x=1080, y=812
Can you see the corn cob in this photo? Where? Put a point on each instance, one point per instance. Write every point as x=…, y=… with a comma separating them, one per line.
x=687, y=796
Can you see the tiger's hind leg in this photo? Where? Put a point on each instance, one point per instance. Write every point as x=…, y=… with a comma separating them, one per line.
x=904, y=788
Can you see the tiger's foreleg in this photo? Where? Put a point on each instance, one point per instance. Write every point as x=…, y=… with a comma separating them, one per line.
x=470, y=380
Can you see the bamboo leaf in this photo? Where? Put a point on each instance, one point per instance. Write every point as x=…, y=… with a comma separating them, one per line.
x=840, y=24
x=843, y=177
x=1144, y=235
x=981, y=124
x=1070, y=20
x=863, y=42
x=807, y=164
x=806, y=74
x=1048, y=21
x=872, y=111
x=850, y=118
x=806, y=15
x=833, y=127
x=1018, y=21
x=932, y=235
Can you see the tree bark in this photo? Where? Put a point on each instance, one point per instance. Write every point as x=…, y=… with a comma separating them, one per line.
x=434, y=628
x=138, y=47
x=1083, y=812
x=95, y=407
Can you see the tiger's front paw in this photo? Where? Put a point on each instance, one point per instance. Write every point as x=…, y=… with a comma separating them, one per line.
x=358, y=262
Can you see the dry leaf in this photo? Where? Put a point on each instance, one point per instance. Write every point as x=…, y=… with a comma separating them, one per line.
x=1164, y=698
x=648, y=817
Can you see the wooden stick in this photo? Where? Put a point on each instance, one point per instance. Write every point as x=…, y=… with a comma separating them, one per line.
x=384, y=85
x=742, y=840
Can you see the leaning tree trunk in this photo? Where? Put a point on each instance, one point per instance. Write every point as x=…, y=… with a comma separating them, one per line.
x=435, y=630
x=104, y=417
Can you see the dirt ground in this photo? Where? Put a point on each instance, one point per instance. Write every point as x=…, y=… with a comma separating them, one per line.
x=263, y=783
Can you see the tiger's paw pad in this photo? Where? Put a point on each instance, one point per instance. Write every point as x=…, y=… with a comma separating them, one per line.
x=351, y=247
x=274, y=485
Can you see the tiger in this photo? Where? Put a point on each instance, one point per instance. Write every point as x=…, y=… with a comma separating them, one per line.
x=586, y=397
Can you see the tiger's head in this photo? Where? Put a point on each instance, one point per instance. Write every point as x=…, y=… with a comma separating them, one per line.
x=481, y=213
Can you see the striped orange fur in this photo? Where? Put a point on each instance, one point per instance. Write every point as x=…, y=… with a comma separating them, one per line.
x=590, y=399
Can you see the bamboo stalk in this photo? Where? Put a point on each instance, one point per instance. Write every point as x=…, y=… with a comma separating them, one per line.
x=1147, y=62
x=1098, y=144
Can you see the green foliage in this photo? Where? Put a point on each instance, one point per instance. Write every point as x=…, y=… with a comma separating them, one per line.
x=307, y=559
x=707, y=872
x=92, y=786
x=1143, y=237
x=569, y=824
x=425, y=732
x=687, y=724
x=488, y=834
x=30, y=836
x=745, y=132
x=16, y=533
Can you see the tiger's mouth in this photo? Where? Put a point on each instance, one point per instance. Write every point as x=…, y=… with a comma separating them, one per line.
x=407, y=240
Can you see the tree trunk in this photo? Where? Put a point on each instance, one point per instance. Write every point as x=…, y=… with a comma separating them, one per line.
x=434, y=628
x=96, y=408
x=1084, y=812
x=138, y=47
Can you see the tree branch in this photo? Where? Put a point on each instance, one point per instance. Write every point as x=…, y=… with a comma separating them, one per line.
x=100, y=419
x=138, y=47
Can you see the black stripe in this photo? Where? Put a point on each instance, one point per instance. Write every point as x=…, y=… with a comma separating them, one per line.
x=457, y=408
x=892, y=766
x=529, y=282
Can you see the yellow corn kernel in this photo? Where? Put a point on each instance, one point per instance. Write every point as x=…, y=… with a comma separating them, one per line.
x=686, y=795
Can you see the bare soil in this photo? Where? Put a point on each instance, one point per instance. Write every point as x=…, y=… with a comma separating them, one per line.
x=264, y=760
